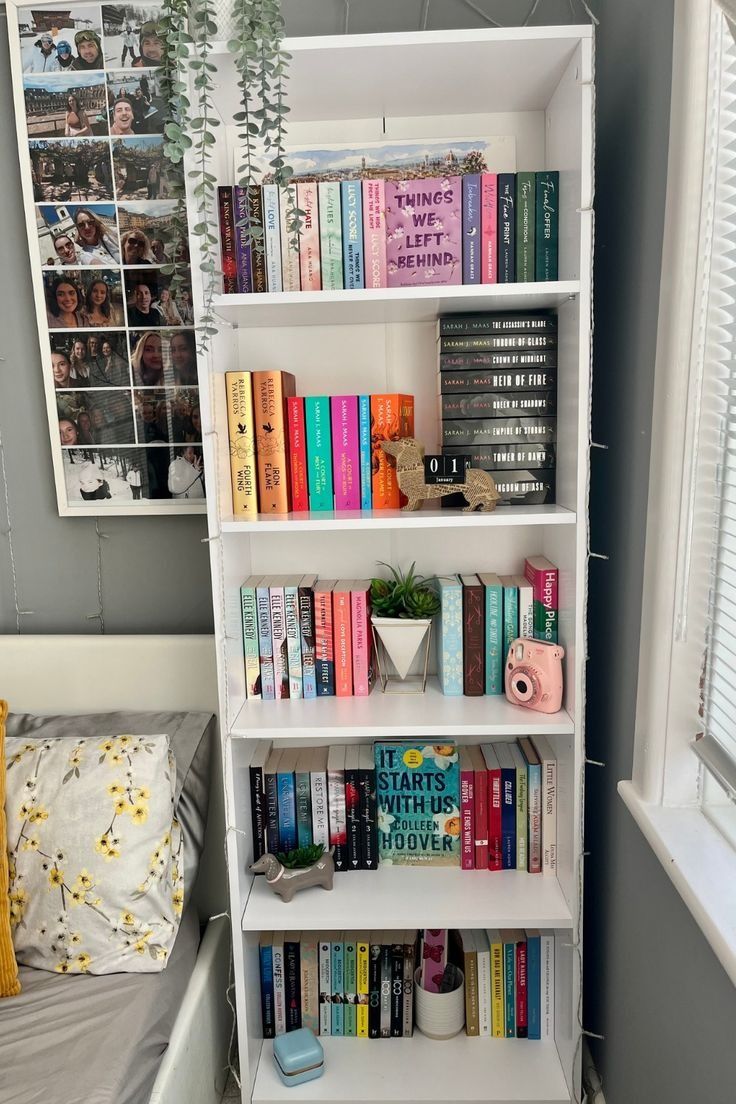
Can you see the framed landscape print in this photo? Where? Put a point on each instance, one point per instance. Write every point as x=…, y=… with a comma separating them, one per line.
x=105, y=212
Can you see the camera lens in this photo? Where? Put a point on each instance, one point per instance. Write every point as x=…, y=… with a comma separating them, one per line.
x=522, y=687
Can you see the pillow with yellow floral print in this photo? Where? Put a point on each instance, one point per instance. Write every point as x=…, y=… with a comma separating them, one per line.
x=96, y=863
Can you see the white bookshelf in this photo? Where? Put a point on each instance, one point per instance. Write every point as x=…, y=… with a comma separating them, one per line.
x=534, y=84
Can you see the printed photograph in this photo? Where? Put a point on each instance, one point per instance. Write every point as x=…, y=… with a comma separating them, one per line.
x=134, y=36
x=70, y=235
x=142, y=171
x=152, y=301
x=95, y=418
x=66, y=105
x=95, y=359
x=71, y=169
x=106, y=474
x=156, y=238
x=163, y=358
x=168, y=416
x=83, y=298
x=135, y=103
x=53, y=40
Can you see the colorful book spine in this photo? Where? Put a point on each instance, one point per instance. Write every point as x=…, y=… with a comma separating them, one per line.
x=319, y=452
x=279, y=993
x=374, y=233
x=338, y=985
x=480, y=787
x=266, y=962
x=434, y=958
x=271, y=795
x=330, y=234
x=280, y=646
x=293, y=637
x=272, y=235
x=258, y=800
x=227, y=240
x=483, y=955
x=522, y=1023
x=489, y=228
x=470, y=969
x=336, y=804
x=353, y=258
x=498, y=1019
x=364, y=445
x=352, y=807
x=450, y=644
x=548, y=765
x=265, y=641
x=306, y=628
x=243, y=241
x=309, y=262
x=362, y=644
x=495, y=827
x=522, y=809
x=374, y=986
x=506, y=228
x=323, y=641
x=392, y=417
x=287, y=801
x=543, y=575
x=362, y=952
x=471, y=228
x=508, y=806
x=342, y=634
x=467, y=810
x=292, y=986
x=509, y=982
x=368, y=808
x=270, y=392
x=397, y=985
x=525, y=593
x=424, y=232
x=249, y=614
x=258, y=248
x=534, y=782
x=303, y=792
x=324, y=952
x=242, y=437
x=534, y=984
x=547, y=230
x=525, y=224
x=345, y=451
x=309, y=981
x=510, y=612
x=410, y=941
x=547, y=956
x=386, y=973
x=297, y=453
x=495, y=655
x=473, y=636
x=351, y=985
x=290, y=274
x=320, y=810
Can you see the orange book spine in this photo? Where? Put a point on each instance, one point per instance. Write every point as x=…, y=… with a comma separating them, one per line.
x=270, y=392
x=392, y=417
x=343, y=639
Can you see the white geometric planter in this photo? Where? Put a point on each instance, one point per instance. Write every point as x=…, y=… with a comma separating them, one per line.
x=398, y=642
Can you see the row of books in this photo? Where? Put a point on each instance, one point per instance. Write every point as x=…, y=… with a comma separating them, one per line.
x=316, y=453
x=497, y=386
x=509, y=983
x=478, y=228
x=480, y=617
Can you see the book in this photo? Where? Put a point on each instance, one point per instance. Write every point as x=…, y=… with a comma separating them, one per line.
x=500, y=360
x=525, y=598
x=497, y=342
x=303, y=791
x=287, y=799
x=306, y=629
x=470, y=970
x=271, y=791
x=508, y=805
x=318, y=787
x=364, y=449
x=342, y=633
x=324, y=952
x=351, y=985
x=278, y=637
x=495, y=655
x=338, y=984
x=547, y=230
x=397, y=984
x=547, y=956
x=424, y=231
x=498, y=1020
x=243, y=241
x=345, y=451
x=323, y=643
x=467, y=809
x=548, y=762
x=480, y=819
x=499, y=404
x=418, y=793
x=534, y=782
x=297, y=453
x=489, y=322
x=471, y=228
x=352, y=807
x=495, y=820
x=543, y=576
x=522, y=1025
x=272, y=235
x=309, y=261
x=385, y=990
x=290, y=274
x=292, y=981
x=410, y=943
x=319, y=452
x=525, y=226
x=265, y=951
x=507, y=228
x=309, y=981
x=450, y=636
x=374, y=985
x=374, y=233
x=524, y=488
x=249, y=616
x=270, y=392
x=293, y=635
x=336, y=804
x=508, y=938
x=489, y=228
x=279, y=991
x=483, y=966
x=510, y=612
x=362, y=641
x=258, y=799
x=265, y=641
x=362, y=954
x=522, y=808
x=258, y=248
x=242, y=443
x=473, y=636
x=351, y=197
x=534, y=983
x=392, y=417
x=488, y=431
x=330, y=234
x=368, y=808
x=227, y=240
x=507, y=456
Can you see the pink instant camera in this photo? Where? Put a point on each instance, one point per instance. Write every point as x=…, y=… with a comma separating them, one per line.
x=534, y=675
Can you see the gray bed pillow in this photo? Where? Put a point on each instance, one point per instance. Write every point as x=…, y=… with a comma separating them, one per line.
x=191, y=737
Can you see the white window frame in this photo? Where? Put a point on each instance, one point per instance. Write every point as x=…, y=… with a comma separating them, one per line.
x=665, y=792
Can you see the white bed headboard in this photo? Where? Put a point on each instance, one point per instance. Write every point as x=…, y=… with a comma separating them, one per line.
x=95, y=674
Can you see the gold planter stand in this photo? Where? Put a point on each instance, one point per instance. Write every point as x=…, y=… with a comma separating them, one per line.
x=391, y=682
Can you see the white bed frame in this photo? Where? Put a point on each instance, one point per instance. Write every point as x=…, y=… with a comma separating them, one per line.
x=91, y=674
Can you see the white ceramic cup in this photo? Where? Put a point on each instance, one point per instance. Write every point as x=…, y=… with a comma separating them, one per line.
x=439, y=1015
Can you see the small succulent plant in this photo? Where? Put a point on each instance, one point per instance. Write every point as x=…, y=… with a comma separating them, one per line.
x=405, y=594
x=301, y=857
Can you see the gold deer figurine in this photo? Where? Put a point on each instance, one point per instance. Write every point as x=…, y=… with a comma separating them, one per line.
x=478, y=490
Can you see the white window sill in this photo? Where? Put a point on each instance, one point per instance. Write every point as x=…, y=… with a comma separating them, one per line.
x=701, y=865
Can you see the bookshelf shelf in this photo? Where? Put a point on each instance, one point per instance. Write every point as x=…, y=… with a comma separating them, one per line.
x=422, y=1071
x=395, y=716
x=446, y=898
x=333, y=521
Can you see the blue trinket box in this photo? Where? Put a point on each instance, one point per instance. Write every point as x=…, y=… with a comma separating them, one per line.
x=298, y=1056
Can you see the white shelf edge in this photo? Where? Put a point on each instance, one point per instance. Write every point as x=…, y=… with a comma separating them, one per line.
x=335, y=520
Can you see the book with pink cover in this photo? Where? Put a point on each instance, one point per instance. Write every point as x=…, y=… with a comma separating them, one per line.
x=362, y=641
x=489, y=228
x=309, y=255
x=424, y=232
x=345, y=452
x=374, y=233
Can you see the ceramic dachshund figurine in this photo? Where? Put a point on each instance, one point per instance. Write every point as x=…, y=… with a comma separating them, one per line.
x=287, y=882
x=478, y=490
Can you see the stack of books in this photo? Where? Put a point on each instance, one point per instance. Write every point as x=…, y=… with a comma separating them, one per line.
x=509, y=983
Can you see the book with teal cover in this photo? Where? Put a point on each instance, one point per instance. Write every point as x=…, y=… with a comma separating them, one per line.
x=418, y=790
x=330, y=234
x=319, y=451
x=303, y=788
x=525, y=226
x=338, y=986
x=351, y=985
x=495, y=640
x=510, y=613
x=450, y=644
x=547, y=230
x=351, y=195
x=364, y=444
